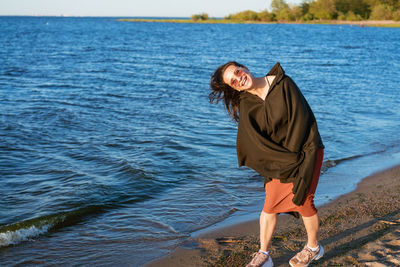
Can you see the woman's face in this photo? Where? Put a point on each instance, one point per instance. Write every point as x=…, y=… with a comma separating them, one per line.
x=238, y=78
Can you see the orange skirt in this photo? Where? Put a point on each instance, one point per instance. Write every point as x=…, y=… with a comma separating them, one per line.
x=278, y=196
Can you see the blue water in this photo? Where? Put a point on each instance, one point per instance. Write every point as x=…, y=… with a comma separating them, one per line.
x=111, y=154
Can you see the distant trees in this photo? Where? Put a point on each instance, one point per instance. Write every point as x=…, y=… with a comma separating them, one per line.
x=324, y=10
x=353, y=9
x=283, y=11
x=278, y=5
x=202, y=16
x=249, y=15
x=245, y=15
x=385, y=11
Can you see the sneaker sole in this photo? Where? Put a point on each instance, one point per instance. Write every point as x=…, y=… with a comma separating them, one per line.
x=320, y=254
x=269, y=263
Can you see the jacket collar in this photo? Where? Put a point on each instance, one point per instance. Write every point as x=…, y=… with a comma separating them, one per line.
x=279, y=74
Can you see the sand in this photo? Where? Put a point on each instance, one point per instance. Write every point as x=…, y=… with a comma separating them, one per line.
x=361, y=228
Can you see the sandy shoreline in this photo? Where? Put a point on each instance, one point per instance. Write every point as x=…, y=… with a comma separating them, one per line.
x=361, y=228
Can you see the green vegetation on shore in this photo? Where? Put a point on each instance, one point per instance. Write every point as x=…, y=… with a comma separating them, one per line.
x=382, y=13
x=348, y=10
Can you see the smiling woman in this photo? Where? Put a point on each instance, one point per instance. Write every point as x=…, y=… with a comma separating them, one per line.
x=277, y=137
x=240, y=79
x=232, y=78
x=83, y=136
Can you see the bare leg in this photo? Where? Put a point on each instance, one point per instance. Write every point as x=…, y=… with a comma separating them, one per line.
x=267, y=227
x=312, y=227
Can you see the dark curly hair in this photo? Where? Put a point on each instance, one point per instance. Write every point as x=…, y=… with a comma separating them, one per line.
x=222, y=91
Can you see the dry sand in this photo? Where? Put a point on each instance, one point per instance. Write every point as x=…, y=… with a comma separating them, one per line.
x=361, y=228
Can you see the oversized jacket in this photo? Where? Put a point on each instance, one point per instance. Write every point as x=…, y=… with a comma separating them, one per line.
x=278, y=137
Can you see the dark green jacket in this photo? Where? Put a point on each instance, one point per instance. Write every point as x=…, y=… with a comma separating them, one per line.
x=279, y=137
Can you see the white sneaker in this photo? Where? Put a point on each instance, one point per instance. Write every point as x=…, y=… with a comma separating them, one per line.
x=261, y=260
x=304, y=257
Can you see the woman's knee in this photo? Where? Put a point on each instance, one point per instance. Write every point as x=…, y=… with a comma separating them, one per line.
x=268, y=216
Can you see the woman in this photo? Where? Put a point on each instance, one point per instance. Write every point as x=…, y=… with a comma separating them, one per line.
x=277, y=137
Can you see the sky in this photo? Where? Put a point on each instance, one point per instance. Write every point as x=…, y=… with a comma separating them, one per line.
x=131, y=8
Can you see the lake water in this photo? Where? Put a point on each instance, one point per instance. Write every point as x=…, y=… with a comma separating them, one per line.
x=110, y=153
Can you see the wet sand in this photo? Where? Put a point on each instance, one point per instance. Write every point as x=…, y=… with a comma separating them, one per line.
x=361, y=228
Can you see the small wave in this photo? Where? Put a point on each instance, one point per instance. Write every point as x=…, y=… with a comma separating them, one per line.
x=332, y=163
x=15, y=72
x=58, y=86
x=27, y=230
x=326, y=64
x=13, y=234
x=327, y=164
x=350, y=47
x=14, y=237
x=207, y=222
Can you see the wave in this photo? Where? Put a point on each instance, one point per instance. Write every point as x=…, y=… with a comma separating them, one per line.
x=15, y=71
x=332, y=163
x=14, y=237
x=28, y=230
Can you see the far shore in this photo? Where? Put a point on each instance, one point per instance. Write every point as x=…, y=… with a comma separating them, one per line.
x=361, y=228
x=362, y=23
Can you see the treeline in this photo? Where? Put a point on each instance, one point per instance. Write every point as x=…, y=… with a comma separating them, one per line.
x=352, y=10
x=202, y=16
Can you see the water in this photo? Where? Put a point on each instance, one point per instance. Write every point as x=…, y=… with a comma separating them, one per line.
x=110, y=153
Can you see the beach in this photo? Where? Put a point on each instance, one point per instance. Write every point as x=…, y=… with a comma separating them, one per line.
x=361, y=228
x=112, y=154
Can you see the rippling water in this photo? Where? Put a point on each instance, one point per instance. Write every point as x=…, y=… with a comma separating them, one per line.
x=111, y=154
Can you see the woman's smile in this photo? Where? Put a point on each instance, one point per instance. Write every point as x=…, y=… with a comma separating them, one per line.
x=244, y=80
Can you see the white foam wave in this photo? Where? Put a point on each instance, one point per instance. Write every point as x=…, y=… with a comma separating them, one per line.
x=14, y=237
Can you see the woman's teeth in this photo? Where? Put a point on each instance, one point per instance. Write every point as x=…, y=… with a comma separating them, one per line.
x=244, y=80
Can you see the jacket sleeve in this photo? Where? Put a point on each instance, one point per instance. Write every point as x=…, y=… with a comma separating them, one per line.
x=299, y=116
x=300, y=121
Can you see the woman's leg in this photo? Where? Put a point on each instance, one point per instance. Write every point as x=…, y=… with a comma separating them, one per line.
x=267, y=227
x=313, y=251
x=312, y=227
x=312, y=223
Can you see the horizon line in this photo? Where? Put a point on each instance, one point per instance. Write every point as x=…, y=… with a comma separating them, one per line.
x=100, y=16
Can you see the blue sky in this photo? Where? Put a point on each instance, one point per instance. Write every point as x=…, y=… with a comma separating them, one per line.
x=157, y=8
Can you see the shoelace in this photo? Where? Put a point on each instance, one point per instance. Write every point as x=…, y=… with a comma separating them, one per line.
x=307, y=254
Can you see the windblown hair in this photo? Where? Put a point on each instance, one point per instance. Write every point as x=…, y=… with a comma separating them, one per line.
x=222, y=91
